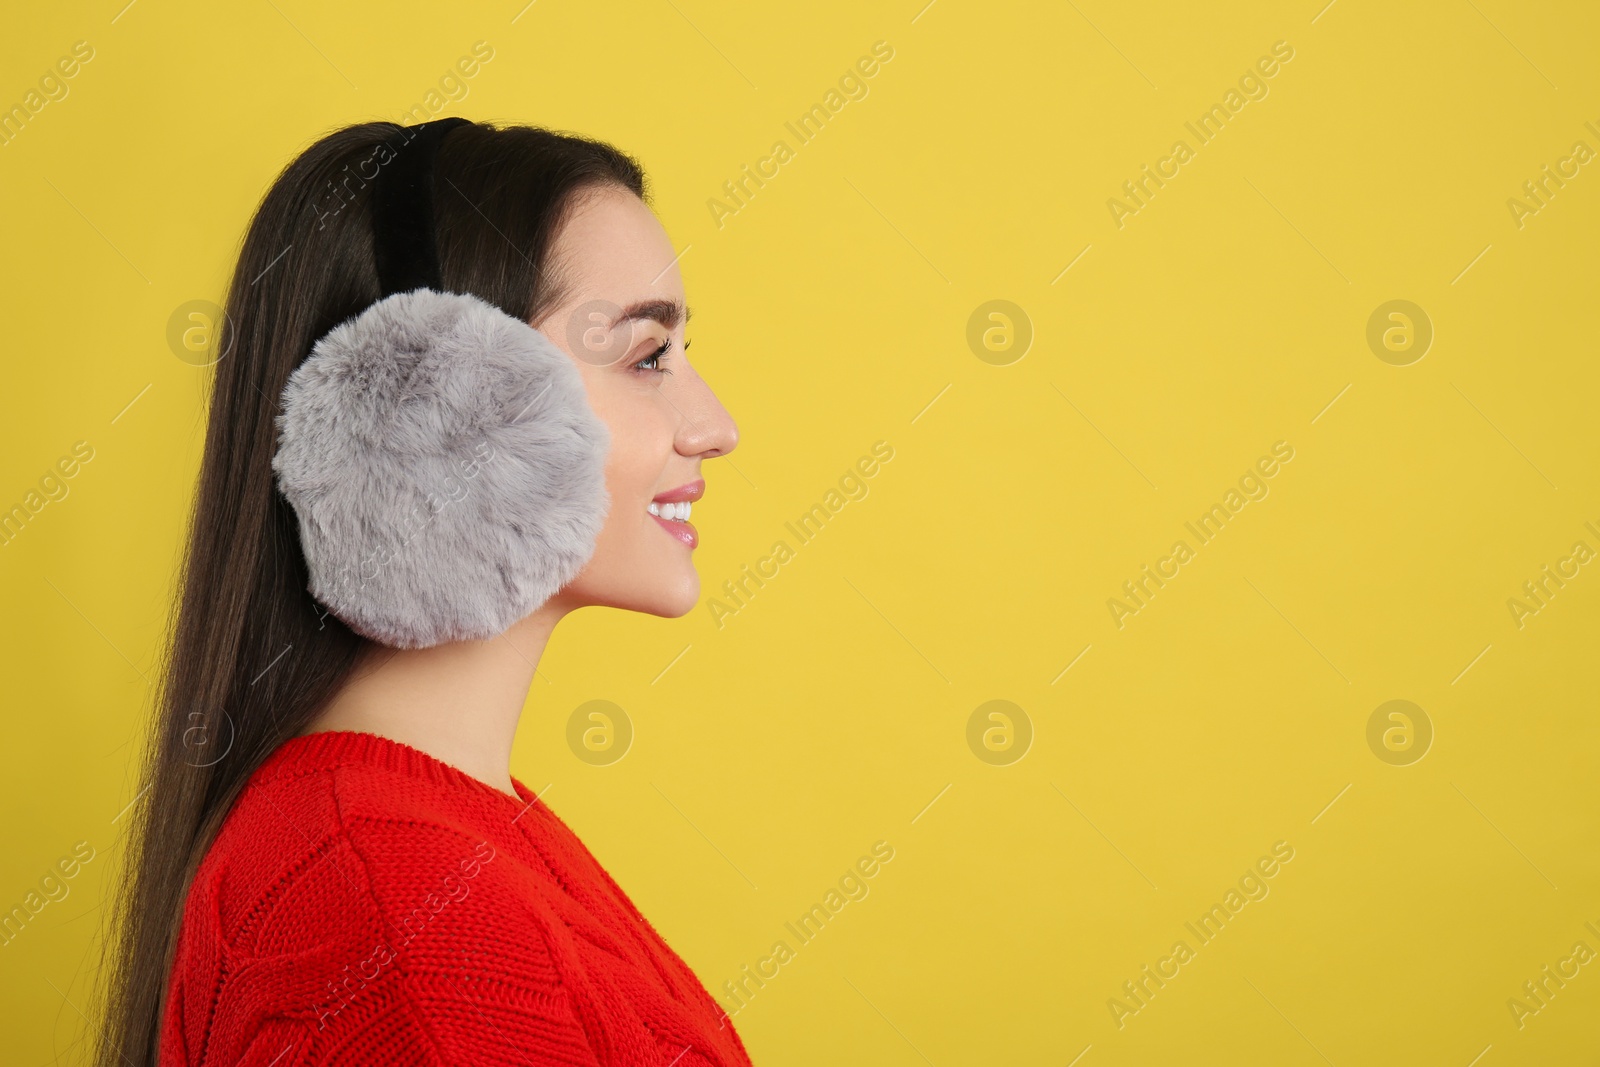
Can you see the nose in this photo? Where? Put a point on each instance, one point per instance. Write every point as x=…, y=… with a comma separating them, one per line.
x=706, y=429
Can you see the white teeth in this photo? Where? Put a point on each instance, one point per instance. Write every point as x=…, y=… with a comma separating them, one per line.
x=678, y=512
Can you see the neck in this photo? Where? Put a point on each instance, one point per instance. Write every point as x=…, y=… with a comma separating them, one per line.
x=459, y=702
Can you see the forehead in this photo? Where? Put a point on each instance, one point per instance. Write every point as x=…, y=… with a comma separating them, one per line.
x=612, y=246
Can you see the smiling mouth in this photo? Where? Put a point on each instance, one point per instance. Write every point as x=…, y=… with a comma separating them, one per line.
x=671, y=511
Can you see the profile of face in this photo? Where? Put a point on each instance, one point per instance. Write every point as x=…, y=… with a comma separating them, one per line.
x=622, y=322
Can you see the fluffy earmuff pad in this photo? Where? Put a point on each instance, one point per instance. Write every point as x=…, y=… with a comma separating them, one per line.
x=446, y=469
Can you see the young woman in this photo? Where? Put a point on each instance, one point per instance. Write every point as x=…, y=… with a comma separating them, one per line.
x=331, y=861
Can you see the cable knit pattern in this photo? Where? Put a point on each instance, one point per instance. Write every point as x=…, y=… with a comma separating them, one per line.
x=366, y=903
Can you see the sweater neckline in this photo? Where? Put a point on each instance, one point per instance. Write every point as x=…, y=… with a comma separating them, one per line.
x=332, y=748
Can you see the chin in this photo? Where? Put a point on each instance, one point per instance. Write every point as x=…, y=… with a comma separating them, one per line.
x=679, y=601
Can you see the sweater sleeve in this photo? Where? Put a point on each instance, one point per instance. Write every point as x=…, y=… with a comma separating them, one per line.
x=461, y=969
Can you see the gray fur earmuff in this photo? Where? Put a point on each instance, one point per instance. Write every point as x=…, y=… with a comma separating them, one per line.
x=441, y=456
x=445, y=466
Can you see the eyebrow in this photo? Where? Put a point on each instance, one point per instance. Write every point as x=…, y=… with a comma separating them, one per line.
x=667, y=312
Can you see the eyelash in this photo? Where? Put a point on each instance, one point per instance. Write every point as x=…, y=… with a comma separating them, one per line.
x=656, y=356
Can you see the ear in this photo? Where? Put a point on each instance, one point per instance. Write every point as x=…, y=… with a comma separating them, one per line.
x=446, y=469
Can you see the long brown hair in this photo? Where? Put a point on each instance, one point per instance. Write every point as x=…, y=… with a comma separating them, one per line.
x=250, y=658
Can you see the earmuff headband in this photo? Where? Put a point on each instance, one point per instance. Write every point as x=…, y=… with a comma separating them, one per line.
x=402, y=208
x=441, y=456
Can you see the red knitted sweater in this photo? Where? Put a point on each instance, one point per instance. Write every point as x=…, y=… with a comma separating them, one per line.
x=366, y=903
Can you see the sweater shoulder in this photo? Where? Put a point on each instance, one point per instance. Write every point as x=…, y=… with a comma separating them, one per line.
x=347, y=842
x=365, y=905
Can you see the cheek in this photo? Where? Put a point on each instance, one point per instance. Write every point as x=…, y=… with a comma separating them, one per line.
x=641, y=445
x=628, y=477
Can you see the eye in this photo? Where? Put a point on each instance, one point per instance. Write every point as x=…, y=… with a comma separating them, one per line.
x=652, y=362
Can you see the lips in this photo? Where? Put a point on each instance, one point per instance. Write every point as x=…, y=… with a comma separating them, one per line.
x=684, y=531
x=692, y=491
x=681, y=529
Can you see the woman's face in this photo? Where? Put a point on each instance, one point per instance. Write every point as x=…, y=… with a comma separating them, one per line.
x=625, y=301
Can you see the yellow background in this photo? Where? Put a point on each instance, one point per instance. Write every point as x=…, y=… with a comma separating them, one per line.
x=832, y=312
